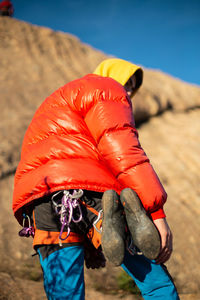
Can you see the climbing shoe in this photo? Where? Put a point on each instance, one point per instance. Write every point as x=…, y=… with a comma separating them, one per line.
x=113, y=228
x=144, y=233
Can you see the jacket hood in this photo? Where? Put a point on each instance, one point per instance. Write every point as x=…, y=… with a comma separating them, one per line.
x=120, y=70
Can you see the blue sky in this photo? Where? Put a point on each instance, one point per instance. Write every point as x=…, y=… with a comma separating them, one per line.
x=156, y=34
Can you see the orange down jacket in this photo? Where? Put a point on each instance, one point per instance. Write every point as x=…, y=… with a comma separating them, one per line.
x=84, y=136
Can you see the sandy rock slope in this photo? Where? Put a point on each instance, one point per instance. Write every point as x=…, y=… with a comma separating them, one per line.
x=34, y=62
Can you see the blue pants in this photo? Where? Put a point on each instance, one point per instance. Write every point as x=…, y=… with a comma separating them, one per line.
x=64, y=275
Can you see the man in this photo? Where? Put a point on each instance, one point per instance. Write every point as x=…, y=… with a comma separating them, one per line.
x=82, y=149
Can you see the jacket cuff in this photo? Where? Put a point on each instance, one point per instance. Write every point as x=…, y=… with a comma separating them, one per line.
x=158, y=214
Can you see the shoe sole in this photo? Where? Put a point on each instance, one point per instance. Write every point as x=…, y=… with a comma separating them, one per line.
x=112, y=226
x=144, y=233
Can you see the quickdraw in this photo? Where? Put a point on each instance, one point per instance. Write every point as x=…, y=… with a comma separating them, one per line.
x=27, y=231
x=65, y=208
x=132, y=249
x=97, y=220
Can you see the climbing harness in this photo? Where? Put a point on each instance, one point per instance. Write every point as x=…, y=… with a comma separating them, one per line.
x=65, y=208
x=26, y=231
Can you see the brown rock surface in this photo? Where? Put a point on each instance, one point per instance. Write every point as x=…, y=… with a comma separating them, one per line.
x=34, y=62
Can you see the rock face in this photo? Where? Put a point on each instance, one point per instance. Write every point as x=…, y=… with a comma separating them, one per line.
x=34, y=62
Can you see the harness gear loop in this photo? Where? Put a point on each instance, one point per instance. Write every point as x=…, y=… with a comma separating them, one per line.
x=68, y=203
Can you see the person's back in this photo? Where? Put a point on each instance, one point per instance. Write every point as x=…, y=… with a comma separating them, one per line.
x=59, y=151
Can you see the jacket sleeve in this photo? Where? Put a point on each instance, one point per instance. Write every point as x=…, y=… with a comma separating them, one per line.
x=111, y=123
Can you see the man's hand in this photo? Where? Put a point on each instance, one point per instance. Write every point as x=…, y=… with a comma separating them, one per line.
x=166, y=240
